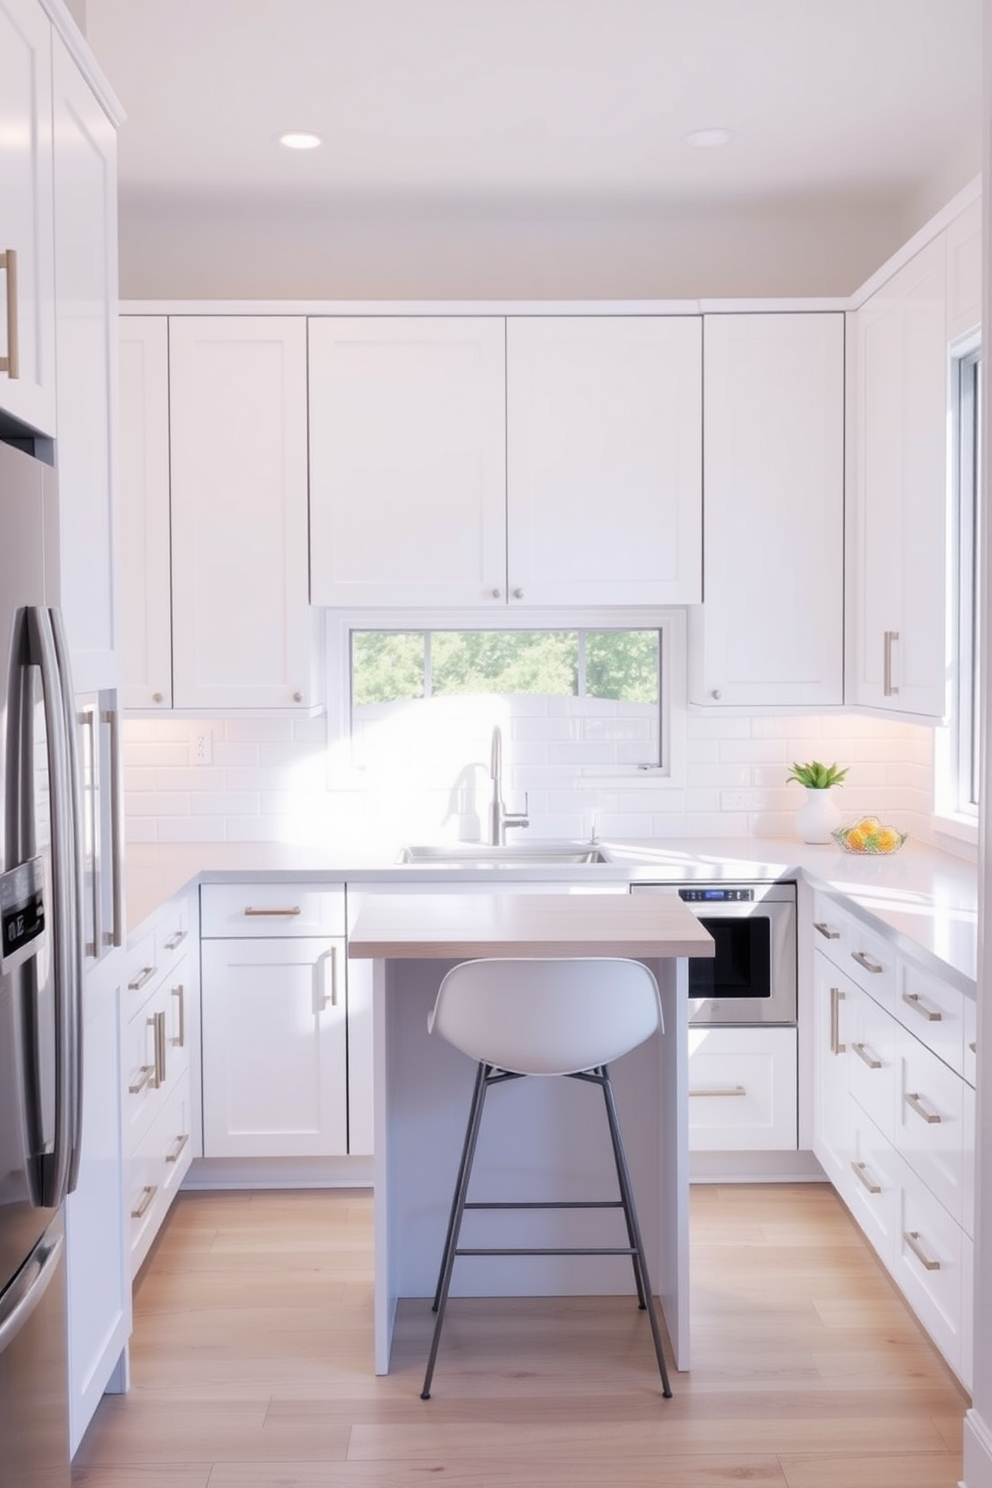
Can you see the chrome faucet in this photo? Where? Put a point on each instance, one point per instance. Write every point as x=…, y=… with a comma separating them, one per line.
x=499, y=817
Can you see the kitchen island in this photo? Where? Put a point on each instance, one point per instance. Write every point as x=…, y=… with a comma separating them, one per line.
x=548, y=1138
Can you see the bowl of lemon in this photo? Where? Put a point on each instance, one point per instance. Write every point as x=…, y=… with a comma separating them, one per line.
x=869, y=835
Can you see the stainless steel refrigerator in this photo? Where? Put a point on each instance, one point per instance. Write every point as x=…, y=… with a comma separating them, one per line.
x=40, y=982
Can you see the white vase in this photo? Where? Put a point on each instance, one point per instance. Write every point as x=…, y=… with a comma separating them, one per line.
x=817, y=816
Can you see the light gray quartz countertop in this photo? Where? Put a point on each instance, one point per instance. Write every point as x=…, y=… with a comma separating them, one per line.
x=926, y=898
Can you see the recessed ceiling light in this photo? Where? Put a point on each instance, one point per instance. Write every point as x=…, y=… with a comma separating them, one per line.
x=300, y=139
x=707, y=139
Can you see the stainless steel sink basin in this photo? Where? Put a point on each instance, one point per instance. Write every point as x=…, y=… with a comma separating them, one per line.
x=513, y=855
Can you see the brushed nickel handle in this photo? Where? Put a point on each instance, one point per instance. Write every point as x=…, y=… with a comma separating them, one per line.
x=865, y=1054
x=326, y=998
x=177, y=1150
x=297, y=697
x=497, y=594
x=836, y=998
x=868, y=962
x=175, y=941
x=889, y=688
x=11, y=363
x=144, y=1078
x=295, y=910
x=972, y=1045
x=156, y=697
x=863, y=1176
x=144, y=975
x=916, y=1103
x=916, y=1002
x=518, y=594
x=912, y=1239
x=112, y=719
x=719, y=1090
x=147, y=1194
x=157, y=1020
x=827, y=931
x=179, y=993
x=87, y=722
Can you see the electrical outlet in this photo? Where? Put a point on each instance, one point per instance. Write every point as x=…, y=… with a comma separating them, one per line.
x=742, y=800
x=203, y=747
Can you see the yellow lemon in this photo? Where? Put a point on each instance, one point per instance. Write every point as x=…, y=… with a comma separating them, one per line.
x=888, y=840
x=870, y=825
x=856, y=838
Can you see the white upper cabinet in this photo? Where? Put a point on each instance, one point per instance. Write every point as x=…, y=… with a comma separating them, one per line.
x=27, y=277
x=407, y=461
x=242, y=630
x=476, y=462
x=604, y=459
x=896, y=660
x=145, y=578
x=85, y=157
x=771, y=628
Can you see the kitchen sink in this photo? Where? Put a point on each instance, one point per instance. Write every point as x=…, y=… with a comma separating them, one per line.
x=510, y=855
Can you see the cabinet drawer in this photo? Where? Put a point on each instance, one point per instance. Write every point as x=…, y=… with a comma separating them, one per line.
x=156, y=1170
x=156, y=1051
x=742, y=1089
x=929, y=1123
x=155, y=948
x=266, y=910
x=875, y=1191
x=932, y=1010
x=831, y=928
x=929, y=1267
x=871, y=962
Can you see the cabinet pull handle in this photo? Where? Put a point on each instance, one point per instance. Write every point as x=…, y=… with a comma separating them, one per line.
x=325, y=959
x=144, y=1078
x=720, y=1090
x=295, y=910
x=973, y=1046
x=179, y=993
x=868, y=962
x=916, y=1002
x=115, y=936
x=836, y=998
x=827, y=931
x=888, y=686
x=915, y=1103
x=144, y=975
x=11, y=363
x=87, y=721
x=147, y=1194
x=912, y=1239
x=175, y=941
x=863, y=1176
x=157, y=1021
x=864, y=1053
x=177, y=1150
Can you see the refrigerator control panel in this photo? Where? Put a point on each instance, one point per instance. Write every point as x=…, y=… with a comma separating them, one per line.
x=22, y=912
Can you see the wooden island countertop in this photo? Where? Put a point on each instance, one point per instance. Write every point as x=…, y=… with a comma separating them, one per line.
x=462, y=926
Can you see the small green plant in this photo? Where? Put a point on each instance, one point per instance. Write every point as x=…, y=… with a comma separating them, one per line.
x=817, y=776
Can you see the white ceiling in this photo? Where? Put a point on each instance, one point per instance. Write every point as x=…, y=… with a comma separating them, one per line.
x=575, y=101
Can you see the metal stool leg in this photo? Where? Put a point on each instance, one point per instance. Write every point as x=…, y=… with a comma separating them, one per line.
x=634, y=1229
x=455, y=1221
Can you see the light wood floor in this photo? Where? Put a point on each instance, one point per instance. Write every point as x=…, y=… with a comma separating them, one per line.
x=251, y=1365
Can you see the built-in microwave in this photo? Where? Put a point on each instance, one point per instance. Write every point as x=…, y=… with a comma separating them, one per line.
x=752, y=977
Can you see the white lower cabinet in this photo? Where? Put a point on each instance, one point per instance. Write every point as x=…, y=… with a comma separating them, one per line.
x=274, y=1021
x=742, y=1089
x=895, y=1117
x=159, y=1042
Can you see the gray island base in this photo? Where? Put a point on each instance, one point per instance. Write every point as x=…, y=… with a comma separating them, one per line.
x=542, y=1138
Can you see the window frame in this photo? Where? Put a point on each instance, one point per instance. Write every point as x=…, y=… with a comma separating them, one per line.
x=671, y=623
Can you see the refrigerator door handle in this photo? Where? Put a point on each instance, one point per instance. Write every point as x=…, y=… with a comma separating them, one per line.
x=24, y=1294
x=72, y=987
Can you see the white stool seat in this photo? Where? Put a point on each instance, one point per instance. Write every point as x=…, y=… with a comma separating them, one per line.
x=571, y=1017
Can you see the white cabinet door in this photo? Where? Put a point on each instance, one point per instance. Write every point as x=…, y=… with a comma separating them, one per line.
x=833, y=1119
x=899, y=412
x=604, y=459
x=742, y=1090
x=98, y=1262
x=85, y=153
x=241, y=624
x=770, y=630
x=274, y=1046
x=26, y=214
x=407, y=461
x=145, y=578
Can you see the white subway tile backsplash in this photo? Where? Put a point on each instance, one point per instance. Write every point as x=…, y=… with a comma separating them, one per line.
x=425, y=774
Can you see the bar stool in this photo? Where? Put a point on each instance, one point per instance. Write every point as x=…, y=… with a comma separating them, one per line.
x=563, y=1016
